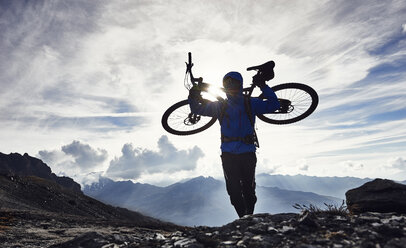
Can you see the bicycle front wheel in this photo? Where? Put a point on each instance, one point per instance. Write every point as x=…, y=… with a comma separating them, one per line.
x=297, y=100
x=179, y=120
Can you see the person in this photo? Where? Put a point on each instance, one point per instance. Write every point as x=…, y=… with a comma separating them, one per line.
x=238, y=138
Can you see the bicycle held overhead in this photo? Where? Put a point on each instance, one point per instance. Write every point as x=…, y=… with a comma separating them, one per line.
x=297, y=101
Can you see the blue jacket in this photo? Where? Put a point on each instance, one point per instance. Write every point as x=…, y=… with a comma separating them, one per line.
x=235, y=122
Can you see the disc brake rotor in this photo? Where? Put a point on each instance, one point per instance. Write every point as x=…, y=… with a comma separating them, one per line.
x=192, y=119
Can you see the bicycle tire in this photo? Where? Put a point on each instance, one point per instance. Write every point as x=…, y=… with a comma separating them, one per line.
x=307, y=97
x=174, y=120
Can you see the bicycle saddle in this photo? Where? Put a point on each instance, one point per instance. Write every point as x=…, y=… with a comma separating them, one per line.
x=265, y=71
x=264, y=67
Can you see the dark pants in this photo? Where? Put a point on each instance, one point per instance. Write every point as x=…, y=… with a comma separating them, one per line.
x=239, y=172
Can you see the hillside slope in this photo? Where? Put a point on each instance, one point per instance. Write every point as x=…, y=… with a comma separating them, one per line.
x=43, y=193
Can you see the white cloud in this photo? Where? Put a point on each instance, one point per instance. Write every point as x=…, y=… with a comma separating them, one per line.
x=74, y=159
x=56, y=160
x=404, y=28
x=354, y=165
x=397, y=163
x=168, y=159
x=84, y=155
x=265, y=165
x=303, y=165
x=88, y=179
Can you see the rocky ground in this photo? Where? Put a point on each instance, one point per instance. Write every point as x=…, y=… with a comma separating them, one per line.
x=45, y=229
x=33, y=229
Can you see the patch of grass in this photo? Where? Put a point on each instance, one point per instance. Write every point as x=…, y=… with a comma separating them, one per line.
x=330, y=208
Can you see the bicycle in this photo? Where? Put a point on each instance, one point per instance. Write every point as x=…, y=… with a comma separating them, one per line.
x=297, y=102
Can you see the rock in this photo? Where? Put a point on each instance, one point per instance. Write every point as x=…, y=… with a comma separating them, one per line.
x=308, y=220
x=187, y=242
x=396, y=243
x=90, y=240
x=159, y=236
x=379, y=195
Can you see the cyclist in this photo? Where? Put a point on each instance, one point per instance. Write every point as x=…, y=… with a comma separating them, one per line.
x=238, y=139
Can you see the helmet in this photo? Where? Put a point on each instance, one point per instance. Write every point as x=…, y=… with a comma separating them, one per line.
x=232, y=80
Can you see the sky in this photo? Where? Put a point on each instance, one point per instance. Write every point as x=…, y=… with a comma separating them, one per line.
x=84, y=84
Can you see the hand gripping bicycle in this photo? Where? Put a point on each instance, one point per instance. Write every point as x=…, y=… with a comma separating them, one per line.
x=297, y=102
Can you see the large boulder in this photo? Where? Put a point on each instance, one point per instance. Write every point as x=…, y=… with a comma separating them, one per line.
x=379, y=195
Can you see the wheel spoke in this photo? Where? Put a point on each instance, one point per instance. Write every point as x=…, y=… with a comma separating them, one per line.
x=176, y=120
x=303, y=100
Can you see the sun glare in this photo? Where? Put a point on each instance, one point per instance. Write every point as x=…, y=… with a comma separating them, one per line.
x=213, y=92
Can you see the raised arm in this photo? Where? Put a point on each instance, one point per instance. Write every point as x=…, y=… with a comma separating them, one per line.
x=269, y=104
x=200, y=106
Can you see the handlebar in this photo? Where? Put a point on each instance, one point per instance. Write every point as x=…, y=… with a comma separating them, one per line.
x=189, y=66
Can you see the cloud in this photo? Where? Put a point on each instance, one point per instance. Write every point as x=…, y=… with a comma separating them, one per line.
x=49, y=59
x=84, y=155
x=303, y=165
x=74, y=159
x=397, y=163
x=353, y=165
x=265, y=165
x=55, y=159
x=137, y=161
x=404, y=28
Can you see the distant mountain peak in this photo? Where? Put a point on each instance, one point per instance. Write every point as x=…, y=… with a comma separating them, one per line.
x=202, y=179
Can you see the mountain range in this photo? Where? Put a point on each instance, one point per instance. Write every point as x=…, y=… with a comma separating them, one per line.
x=332, y=186
x=198, y=201
x=204, y=200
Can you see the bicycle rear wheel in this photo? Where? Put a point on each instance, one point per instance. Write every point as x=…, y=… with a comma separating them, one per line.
x=179, y=119
x=298, y=100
